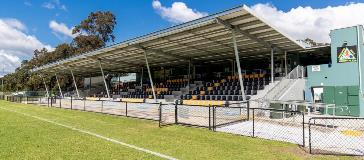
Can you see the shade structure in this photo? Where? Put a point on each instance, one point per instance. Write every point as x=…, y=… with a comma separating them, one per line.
x=205, y=40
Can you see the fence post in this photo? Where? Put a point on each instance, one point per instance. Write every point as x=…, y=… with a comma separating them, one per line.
x=176, y=113
x=84, y=104
x=309, y=135
x=71, y=102
x=253, y=122
x=160, y=114
x=248, y=108
x=102, y=106
x=51, y=101
x=126, y=109
x=303, y=128
x=47, y=101
x=60, y=103
x=214, y=118
x=209, y=116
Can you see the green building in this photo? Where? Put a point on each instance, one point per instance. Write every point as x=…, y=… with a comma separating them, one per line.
x=341, y=80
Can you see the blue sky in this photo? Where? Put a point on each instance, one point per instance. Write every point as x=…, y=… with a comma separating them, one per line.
x=31, y=19
x=134, y=17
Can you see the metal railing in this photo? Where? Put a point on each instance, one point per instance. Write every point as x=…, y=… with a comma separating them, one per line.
x=286, y=81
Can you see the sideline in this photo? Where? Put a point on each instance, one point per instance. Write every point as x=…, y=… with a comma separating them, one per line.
x=94, y=134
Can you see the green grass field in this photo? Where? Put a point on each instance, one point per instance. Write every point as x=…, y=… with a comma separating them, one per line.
x=26, y=137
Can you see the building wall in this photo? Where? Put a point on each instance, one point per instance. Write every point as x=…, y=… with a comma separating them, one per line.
x=340, y=74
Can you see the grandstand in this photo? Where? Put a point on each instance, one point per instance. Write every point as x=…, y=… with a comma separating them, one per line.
x=230, y=56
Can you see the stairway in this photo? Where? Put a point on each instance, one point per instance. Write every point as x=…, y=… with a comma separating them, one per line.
x=290, y=87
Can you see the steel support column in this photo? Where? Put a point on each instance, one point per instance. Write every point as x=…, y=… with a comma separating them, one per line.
x=59, y=86
x=150, y=75
x=90, y=83
x=272, y=64
x=75, y=84
x=103, y=78
x=45, y=85
x=285, y=63
x=119, y=81
x=141, y=78
x=189, y=72
x=238, y=66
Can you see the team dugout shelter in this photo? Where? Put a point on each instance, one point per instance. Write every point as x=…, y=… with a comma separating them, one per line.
x=233, y=55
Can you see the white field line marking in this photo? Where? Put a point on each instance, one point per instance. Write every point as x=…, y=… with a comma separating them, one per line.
x=96, y=135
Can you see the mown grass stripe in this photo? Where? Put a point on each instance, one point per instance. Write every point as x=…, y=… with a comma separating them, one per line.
x=95, y=135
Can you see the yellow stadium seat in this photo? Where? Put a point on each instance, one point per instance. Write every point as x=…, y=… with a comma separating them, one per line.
x=135, y=100
x=92, y=98
x=194, y=97
x=204, y=103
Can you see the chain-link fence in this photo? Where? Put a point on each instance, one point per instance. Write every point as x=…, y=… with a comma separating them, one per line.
x=148, y=111
x=336, y=136
x=205, y=116
x=321, y=135
x=167, y=114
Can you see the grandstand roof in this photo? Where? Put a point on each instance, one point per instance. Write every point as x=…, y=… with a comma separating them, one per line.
x=205, y=40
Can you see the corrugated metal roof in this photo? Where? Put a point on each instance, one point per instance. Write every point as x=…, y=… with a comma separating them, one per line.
x=205, y=40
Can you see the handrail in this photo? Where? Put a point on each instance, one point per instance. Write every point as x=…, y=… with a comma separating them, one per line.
x=296, y=73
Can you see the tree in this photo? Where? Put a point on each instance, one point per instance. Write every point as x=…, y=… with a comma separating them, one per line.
x=92, y=33
x=313, y=43
x=62, y=51
x=95, y=31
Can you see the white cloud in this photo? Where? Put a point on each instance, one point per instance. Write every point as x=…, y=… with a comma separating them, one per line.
x=60, y=30
x=63, y=7
x=178, y=12
x=48, y=5
x=15, y=24
x=15, y=44
x=307, y=22
x=52, y=4
x=27, y=3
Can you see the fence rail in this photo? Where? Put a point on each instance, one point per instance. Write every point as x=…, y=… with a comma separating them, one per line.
x=320, y=135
